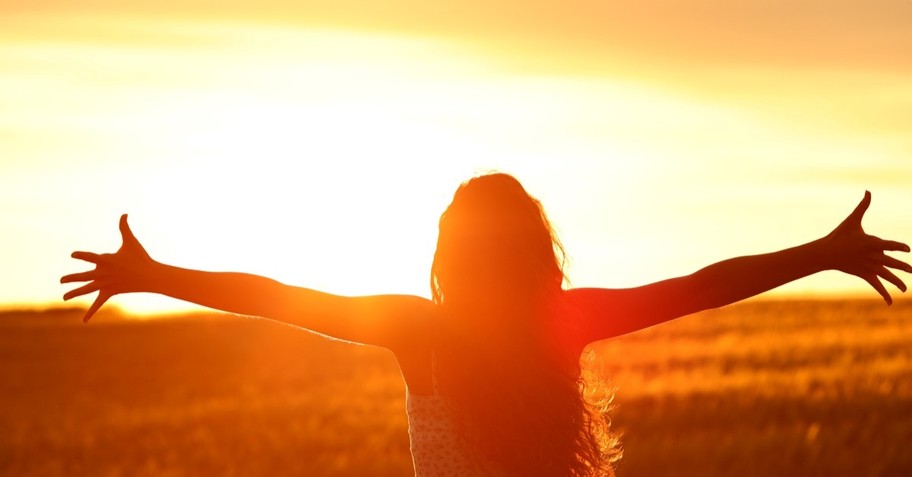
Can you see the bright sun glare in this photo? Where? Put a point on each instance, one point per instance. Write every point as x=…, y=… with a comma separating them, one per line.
x=324, y=157
x=304, y=171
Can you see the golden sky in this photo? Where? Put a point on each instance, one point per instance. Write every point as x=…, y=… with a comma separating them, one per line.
x=317, y=142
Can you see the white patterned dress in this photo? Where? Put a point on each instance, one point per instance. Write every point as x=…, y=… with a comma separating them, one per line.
x=434, y=442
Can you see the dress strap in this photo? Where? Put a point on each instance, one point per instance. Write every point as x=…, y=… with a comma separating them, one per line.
x=434, y=373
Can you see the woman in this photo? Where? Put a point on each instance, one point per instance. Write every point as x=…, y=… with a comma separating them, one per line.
x=491, y=363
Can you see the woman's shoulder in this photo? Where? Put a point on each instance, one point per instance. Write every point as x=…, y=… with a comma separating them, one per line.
x=415, y=320
x=570, y=322
x=414, y=353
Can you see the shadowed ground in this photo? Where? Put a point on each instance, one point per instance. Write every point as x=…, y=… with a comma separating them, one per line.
x=764, y=388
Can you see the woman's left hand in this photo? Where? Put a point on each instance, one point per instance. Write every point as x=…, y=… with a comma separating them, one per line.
x=128, y=270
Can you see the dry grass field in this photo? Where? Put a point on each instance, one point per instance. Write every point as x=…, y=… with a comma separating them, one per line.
x=764, y=388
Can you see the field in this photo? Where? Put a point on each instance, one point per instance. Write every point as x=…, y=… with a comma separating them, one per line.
x=764, y=388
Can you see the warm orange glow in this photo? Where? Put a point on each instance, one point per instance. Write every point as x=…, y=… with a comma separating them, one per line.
x=317, y=143
x=287, y=135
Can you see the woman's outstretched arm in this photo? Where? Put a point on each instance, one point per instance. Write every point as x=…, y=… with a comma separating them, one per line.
x=613, y=312
x=381, y=320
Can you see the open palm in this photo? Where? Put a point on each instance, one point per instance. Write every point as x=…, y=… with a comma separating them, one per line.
x=119, y=272
x=853, y=251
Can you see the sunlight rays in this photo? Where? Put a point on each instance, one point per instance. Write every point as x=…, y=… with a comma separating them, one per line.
x=324, y=156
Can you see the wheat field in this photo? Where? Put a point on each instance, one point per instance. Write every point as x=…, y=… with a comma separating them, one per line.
x=762, y=388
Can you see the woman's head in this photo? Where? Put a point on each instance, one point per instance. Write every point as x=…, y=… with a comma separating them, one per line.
x=495, y=244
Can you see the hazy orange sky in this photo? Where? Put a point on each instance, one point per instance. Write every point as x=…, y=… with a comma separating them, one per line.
x=317, y=142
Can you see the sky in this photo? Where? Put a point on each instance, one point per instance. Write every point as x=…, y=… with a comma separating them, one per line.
x=318, y=142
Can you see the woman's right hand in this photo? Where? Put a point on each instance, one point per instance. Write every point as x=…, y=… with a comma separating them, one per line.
x=127, y=270
x=851, y=250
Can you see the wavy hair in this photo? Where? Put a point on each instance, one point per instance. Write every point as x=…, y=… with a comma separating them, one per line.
x=504, y=358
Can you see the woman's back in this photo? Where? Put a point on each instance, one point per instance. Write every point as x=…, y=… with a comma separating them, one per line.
x=505, y=402
x=433, y=434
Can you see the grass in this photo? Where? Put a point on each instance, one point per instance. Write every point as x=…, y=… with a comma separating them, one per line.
x=762, y=388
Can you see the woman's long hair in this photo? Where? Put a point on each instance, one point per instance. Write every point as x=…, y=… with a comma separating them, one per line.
x=503, y=342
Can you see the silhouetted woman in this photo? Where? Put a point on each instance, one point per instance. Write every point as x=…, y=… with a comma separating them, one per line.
x=491, y=363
